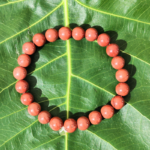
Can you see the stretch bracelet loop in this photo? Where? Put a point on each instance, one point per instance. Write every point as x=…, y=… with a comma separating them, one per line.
x=95, y=117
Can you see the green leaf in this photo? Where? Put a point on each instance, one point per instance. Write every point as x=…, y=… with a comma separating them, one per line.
x=71, y=78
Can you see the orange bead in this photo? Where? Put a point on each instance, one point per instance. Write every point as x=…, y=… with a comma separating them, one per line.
x=24, y=60
x=44, y=117
x=83, y=123
x=26, y=98
x=95, y=117
x=28, y=48
x=64, y=33
x=39, y=39
x=117, y=102
x=107, y=111
x=122, y=75
x=103, y=39
x=118, y=62
x=112, y=50
x=78, y=33
x=51, y=35
x=19, y=73
x=70, y=125
x=34, y=109
x=56, y=123
x=122, y=89
x=91, y=34
x=22, y=86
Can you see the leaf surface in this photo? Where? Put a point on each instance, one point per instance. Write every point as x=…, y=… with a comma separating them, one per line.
x=71, y=78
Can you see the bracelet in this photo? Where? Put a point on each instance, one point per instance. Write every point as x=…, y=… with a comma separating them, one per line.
x=78, y=33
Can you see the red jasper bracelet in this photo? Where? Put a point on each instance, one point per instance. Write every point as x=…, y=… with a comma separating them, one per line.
x=78, y=33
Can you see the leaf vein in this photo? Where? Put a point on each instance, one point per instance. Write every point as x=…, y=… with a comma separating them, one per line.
x=66, y=16
x=92, y=84
x=33, y=23
x=48, y=63
x=11, y=3
x=114, y=15
x=18, y=133
x=135, y=57
x=100, y=138
x=34, y=71
x=48, y=142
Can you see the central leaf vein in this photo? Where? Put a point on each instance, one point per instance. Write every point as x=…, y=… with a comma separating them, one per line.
x=66, y=16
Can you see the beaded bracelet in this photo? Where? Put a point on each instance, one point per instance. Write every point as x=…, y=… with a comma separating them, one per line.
x=64, y=33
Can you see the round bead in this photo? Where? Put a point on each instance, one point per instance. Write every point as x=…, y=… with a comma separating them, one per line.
x=122, y=75
x=103, y=39
x=28, y=48
x=91, y=34
x=44, y=117
x=122, y=89
x=95, y=117
x=83, y=123
x=26, y=98
x=117, y=102
x=39, y=39
x=70, y=125
x=112, y=50
x=78, y=33
x=56, y=123
x=34, y=109
x=24, y=60
x=118, y=62
x=19, y=73
x=64, y=33
x=22, y=86
x=107, y=111
x=51, y=35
